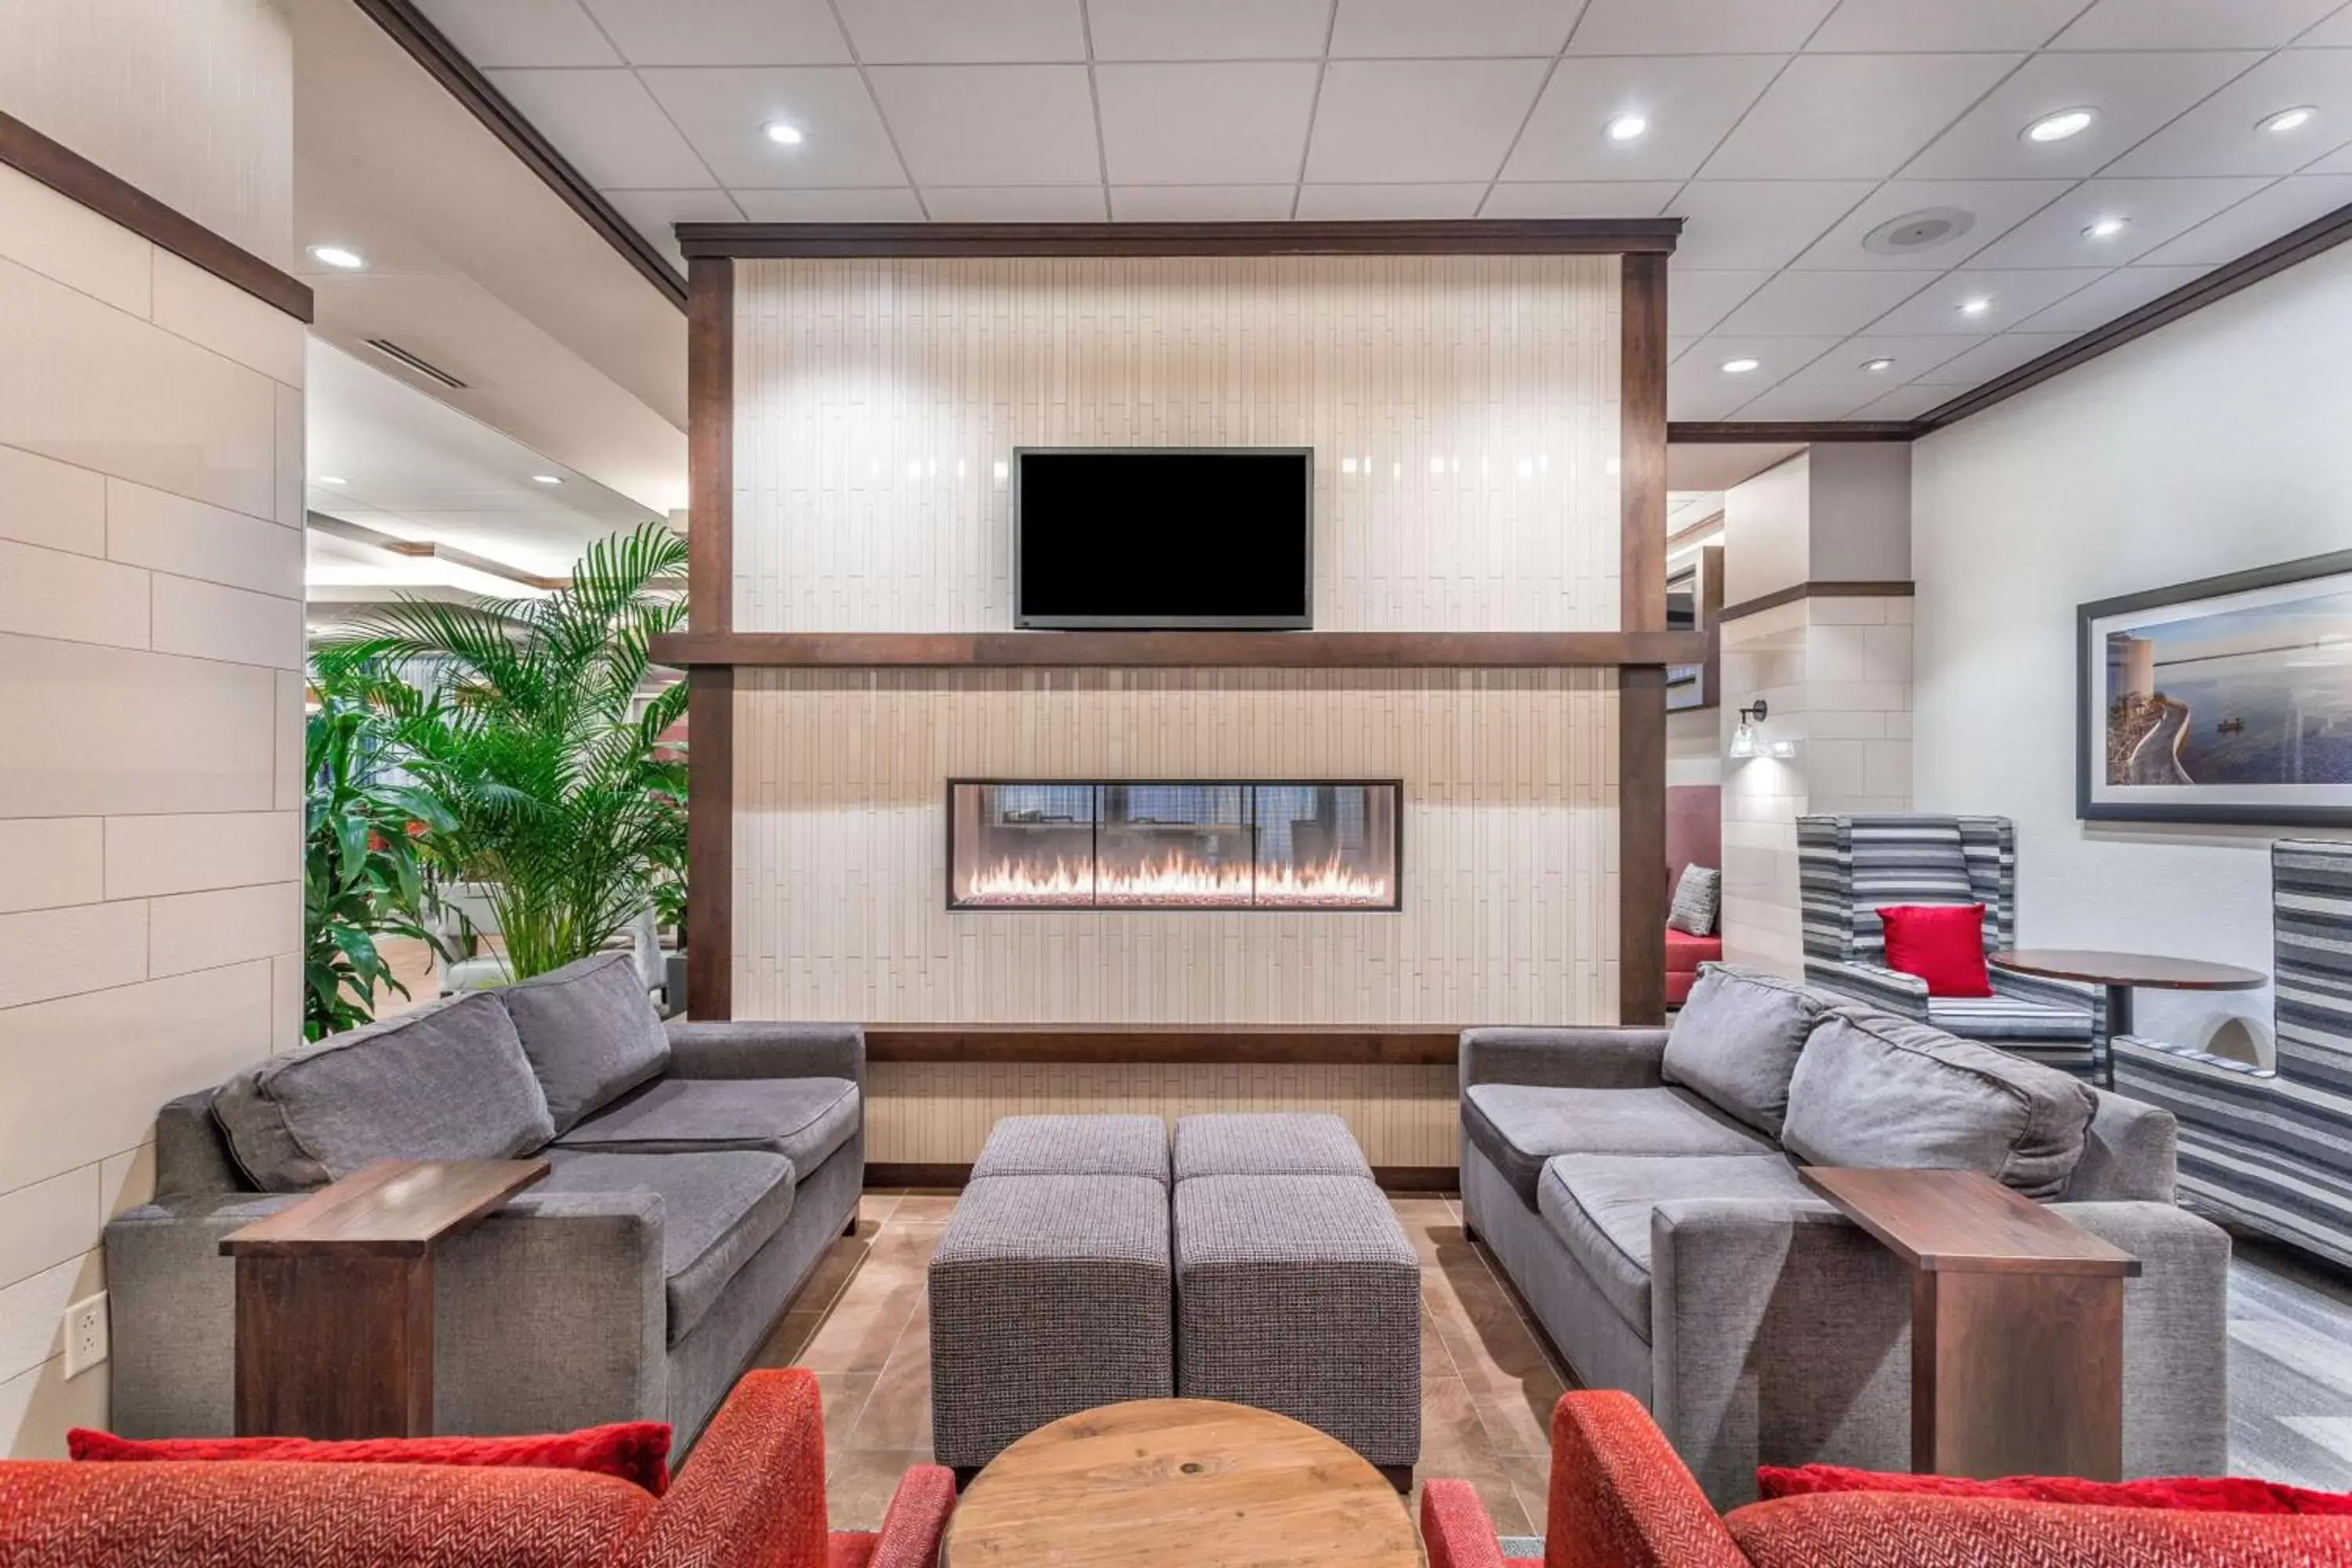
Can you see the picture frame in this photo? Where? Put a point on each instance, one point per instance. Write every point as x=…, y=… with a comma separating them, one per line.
x=2227, y=700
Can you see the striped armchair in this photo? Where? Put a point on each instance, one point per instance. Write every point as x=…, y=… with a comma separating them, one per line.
x=2271, y=1148
x=1849, y=867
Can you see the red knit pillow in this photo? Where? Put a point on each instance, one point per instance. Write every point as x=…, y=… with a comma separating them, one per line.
x=2191, y=1494
x=1943, y=944
x=635, y=1451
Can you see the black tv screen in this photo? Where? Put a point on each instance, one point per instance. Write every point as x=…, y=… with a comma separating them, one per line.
x=1120, y=537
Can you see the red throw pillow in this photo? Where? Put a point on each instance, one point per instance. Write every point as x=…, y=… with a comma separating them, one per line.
x=2189, y=1494
x=636, y=1452
x=1943, y=944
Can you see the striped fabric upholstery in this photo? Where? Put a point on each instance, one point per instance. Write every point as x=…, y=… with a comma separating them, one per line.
x=2273, y=1150
x=1850, y=866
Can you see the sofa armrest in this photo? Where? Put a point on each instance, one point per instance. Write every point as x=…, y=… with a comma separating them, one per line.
x=2176, y=1324
x=1597, y=1057
x=754, y=1495
x=1456, y=1529
x=917, y=1520
x=2091, y=999
x=1621, y=1496
x=1888, y=990
x=758, y=1049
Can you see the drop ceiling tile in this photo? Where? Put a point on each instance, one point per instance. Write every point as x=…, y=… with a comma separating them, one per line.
x=1200, y=204
x=1777, y=360
x=1632, y=199
x=2015, y=296
x=1208, y=29
x=2223, y=135
x=1759, y=223
x=2336, y=163
x=1996, y=356
x=1696, y=299
x=1415, y=29
x=1236, y=123
x=1016, y=204
x=1690, y=101
x=894, y=203
x=1787, y=402
x=2134, y=94
x=1797, y=304
x=722, y=113
x=2335, y=32
x=1433, y=199
x=1677, y=347
x=1913, y=357
x=1699, y=402
x=723, y=32
x=2119, y=293
x=1905, y=403
x=2192, y=24
x=2269, y=213
x=2153, y=211
x=991, y=125
x=1853, y=116
x=1408, y=120
x=608, y=126
x=896, y=32
x=651, y=213
x=1996, y=206
x=521, y=32
x=1696, y=26
x=1868, y=27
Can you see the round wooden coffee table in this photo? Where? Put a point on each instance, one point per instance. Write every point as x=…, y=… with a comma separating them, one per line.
x=1181, y=1483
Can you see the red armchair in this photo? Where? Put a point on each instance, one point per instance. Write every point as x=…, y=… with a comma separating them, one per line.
x=751, y=1496
x=1622, y=1498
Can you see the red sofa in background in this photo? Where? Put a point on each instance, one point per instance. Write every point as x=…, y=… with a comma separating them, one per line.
x=1694, y=838
x=1622, y=1498
x=751, y=1496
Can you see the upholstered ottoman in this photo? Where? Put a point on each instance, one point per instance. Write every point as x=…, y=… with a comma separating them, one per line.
x=1076, y=1146
x=1267, y=1143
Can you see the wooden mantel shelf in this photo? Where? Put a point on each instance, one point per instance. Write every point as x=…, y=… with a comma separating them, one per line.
x=1260, y=650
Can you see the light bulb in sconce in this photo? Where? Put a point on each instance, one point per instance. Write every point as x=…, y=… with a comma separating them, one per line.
x=1743, y=739
x=1781, y=751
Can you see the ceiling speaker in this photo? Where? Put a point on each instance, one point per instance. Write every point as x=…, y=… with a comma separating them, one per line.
x=1922, y=231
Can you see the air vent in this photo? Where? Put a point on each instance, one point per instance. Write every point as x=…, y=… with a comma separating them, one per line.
x=1919, y=231
x=425, y=367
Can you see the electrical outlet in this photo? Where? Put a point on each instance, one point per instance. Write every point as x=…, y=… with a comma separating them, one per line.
x=86, y=1343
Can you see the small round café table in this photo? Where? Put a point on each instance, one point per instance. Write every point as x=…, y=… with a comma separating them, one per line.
x=1181, y=1483
x=2120, y=972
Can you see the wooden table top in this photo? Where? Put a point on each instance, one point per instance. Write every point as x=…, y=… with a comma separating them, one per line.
x=1964, y=1222
x=2146, y=969
x=391, y=1208
x=1181, y=1483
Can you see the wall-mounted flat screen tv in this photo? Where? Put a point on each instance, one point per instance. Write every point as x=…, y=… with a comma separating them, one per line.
x=1167, y=537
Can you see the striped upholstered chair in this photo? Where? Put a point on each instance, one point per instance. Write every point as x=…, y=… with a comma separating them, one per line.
x=2271, y=1148
x=1850, y=866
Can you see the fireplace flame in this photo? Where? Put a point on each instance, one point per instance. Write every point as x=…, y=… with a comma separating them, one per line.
x=1176, y=879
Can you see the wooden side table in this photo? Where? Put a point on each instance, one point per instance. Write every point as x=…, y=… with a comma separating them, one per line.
x=334, y=1297
x=2120, y=974
x=1181, y=1483
x=2016, y=1323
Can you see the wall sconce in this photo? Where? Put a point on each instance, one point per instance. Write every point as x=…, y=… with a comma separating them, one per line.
x=1743, y=739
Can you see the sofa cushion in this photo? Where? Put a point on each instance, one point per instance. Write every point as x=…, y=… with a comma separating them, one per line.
x=2008, y=1018
x=1874, y=1090
x=1736, y=1042
x=1520, y=1126
x=1685, y=952
x=1267, y=1144
x=802, y=1118
x=1598, y=1206
x=719, y=1207
x=591, y=1033
x=1075, y=1146
x=448, y=1082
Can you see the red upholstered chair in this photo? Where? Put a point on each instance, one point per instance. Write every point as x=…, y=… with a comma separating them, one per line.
x=751, y=1496
x=1622, y=1498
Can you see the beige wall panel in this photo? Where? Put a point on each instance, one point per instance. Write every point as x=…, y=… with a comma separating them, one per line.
x=224, y=318
x=207, y=930
x=151, y=855
x=49, y=861
x=58, y=237
x=54, y=505
x=62, y=953
x=188, y=539
x=206, y=620
x=57, y=594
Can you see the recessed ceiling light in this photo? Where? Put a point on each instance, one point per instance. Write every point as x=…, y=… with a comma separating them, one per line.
x=783, y=132
x=546, y=479
x=2287, y=119
x=1740, y=366
x=1876, y=367
x=341, y=257
x=335, y=479
x=1628, y=127
x=1975, y=306
x=2059, y=126
x=2106, y=228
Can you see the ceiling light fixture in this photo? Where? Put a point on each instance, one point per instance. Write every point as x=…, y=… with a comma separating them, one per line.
x=2287, y=119
x=2059, y=126
x=1740, y=366
x=2106, y=228
x=341, y=258
x=1878, y=366
x=1975, y=307
x=546, y=479
x=783, y=132
x=1628, y=127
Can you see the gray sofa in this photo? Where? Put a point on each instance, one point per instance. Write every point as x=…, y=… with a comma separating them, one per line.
x=1639, y=1189
x=698, y=1173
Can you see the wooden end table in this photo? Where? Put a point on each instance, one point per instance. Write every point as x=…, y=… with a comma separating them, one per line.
x=2016, y=1323
x=334, y=1297
x=1181, y=1483
x=2120, y=974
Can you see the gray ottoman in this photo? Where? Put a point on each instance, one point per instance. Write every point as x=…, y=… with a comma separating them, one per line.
x=1267, y=1143
x=1076, y=1146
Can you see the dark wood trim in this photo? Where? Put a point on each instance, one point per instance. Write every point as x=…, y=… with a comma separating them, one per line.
x=710, y=844
x=1642, y=846
x=1710, y=621
x=1703, y=432
x=1489, y=237
x=1642, y=446
x=1641, y=690
x=1187, y=650
x=442, y=59
x=710, y=447
x=76, y=178
x=1402, y=1179
x=1097, y=1044
x=1821, y=590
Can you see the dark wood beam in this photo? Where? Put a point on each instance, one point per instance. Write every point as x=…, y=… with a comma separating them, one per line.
x=1488, y=236
x=1721, y=432
x=1186, y=650
x=1642, y=689
x=710, y=613
x=952, y=1175
x=1305, y=1045
x=1821, y=590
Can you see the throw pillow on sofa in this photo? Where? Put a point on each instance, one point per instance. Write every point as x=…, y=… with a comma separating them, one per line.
x=633, y=1451
x=1877, y=1091
x=1698, y=901
x=591, y=1033
x=1736, y=1040
x=1942, y=944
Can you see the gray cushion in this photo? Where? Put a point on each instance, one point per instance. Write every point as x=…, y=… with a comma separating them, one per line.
x=1520, y=1126
x=719, y=1207
x=1076, y=1146
x=1267, y=1143
x=1737, y=1039
x=802, y=1118
x=591, y=1033
x=1874, y=1090
x=1698, y=901
x=1598, y=1206
x=447, y=1081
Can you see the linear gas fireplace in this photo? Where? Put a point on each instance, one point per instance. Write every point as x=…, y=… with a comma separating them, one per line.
x=1190, y=843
